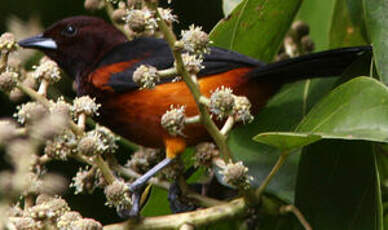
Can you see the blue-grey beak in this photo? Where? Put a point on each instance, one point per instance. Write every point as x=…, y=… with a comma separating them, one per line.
x=38, y=42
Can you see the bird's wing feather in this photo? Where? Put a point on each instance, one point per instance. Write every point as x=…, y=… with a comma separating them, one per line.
x=155, y=52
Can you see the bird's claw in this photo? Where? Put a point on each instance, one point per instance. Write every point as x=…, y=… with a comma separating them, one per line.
x=135, y=209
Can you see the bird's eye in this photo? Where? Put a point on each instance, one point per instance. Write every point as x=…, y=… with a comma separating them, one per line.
x=69, y=31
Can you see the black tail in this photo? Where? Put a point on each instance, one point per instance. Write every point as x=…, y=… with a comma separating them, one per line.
x=327, y=63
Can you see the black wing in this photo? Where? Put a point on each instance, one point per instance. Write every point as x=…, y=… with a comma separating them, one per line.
x=156, y=52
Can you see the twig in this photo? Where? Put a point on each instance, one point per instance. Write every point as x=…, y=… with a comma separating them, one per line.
x=193, y=120
x=167, y=73
x=227, y=126
x=297, y=213
x=201, y=200
x=3, y=61
x=197, y=218
x=29, y=201
x=104, y=168
x=204, y=201
x=269, y=177
x=187, y=227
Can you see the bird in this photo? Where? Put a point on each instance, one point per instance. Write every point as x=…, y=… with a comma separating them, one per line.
x=101, y=60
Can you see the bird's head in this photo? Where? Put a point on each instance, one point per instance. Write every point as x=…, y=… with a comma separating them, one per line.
x=76, y=43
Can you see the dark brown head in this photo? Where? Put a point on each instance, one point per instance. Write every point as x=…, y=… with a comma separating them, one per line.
x=76, y=43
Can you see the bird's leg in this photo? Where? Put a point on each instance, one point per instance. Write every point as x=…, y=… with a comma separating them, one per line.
x=174, y=146
x=137, y=189
x=139, y=183
x=135, y=209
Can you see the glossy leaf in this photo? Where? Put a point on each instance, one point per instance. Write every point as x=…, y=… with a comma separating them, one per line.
x=347, y=24
x=357, y=110
x=376, y=18
x=256, y=27
x=286, y=141
x=157, y=204
x=338, y=186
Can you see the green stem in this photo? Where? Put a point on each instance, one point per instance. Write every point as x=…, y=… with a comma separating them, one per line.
x=105, y=170
x=206, y=119
x=298, y=214
x=201, y=200
x=267, y=180
x=193, y=120
x=3, y=61
x=167, y=73
x=227, y=126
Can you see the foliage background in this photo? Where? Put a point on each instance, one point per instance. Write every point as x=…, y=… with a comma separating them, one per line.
x=326, y=19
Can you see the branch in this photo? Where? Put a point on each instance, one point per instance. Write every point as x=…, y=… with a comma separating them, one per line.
x=291, y=208
x=233, y=209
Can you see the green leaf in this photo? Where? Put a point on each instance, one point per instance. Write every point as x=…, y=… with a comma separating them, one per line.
x=338, y=186
x=286, y=141
x=157, y=204
x=356, y=110
x=347, y=24
x=376, y=17
x=382, y=163
x=256, y=27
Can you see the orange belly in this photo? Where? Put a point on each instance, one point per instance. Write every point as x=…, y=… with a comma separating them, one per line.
x=136, y=115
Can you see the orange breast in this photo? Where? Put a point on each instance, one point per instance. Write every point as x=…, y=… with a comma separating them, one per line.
x=136, y=115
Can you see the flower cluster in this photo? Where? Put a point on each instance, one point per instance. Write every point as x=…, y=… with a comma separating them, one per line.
x=174, y=120
x=141, y=20
x=8, y=80
x=8, y=43
x=143, y=159
x=195, y=40
x=49, y=210
x=146, y=77
x=117, y=195
x=85, y=105
x=47, y=70
x=224, y=103
x=97, y=141
x=236, y=174
x=204, y=154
